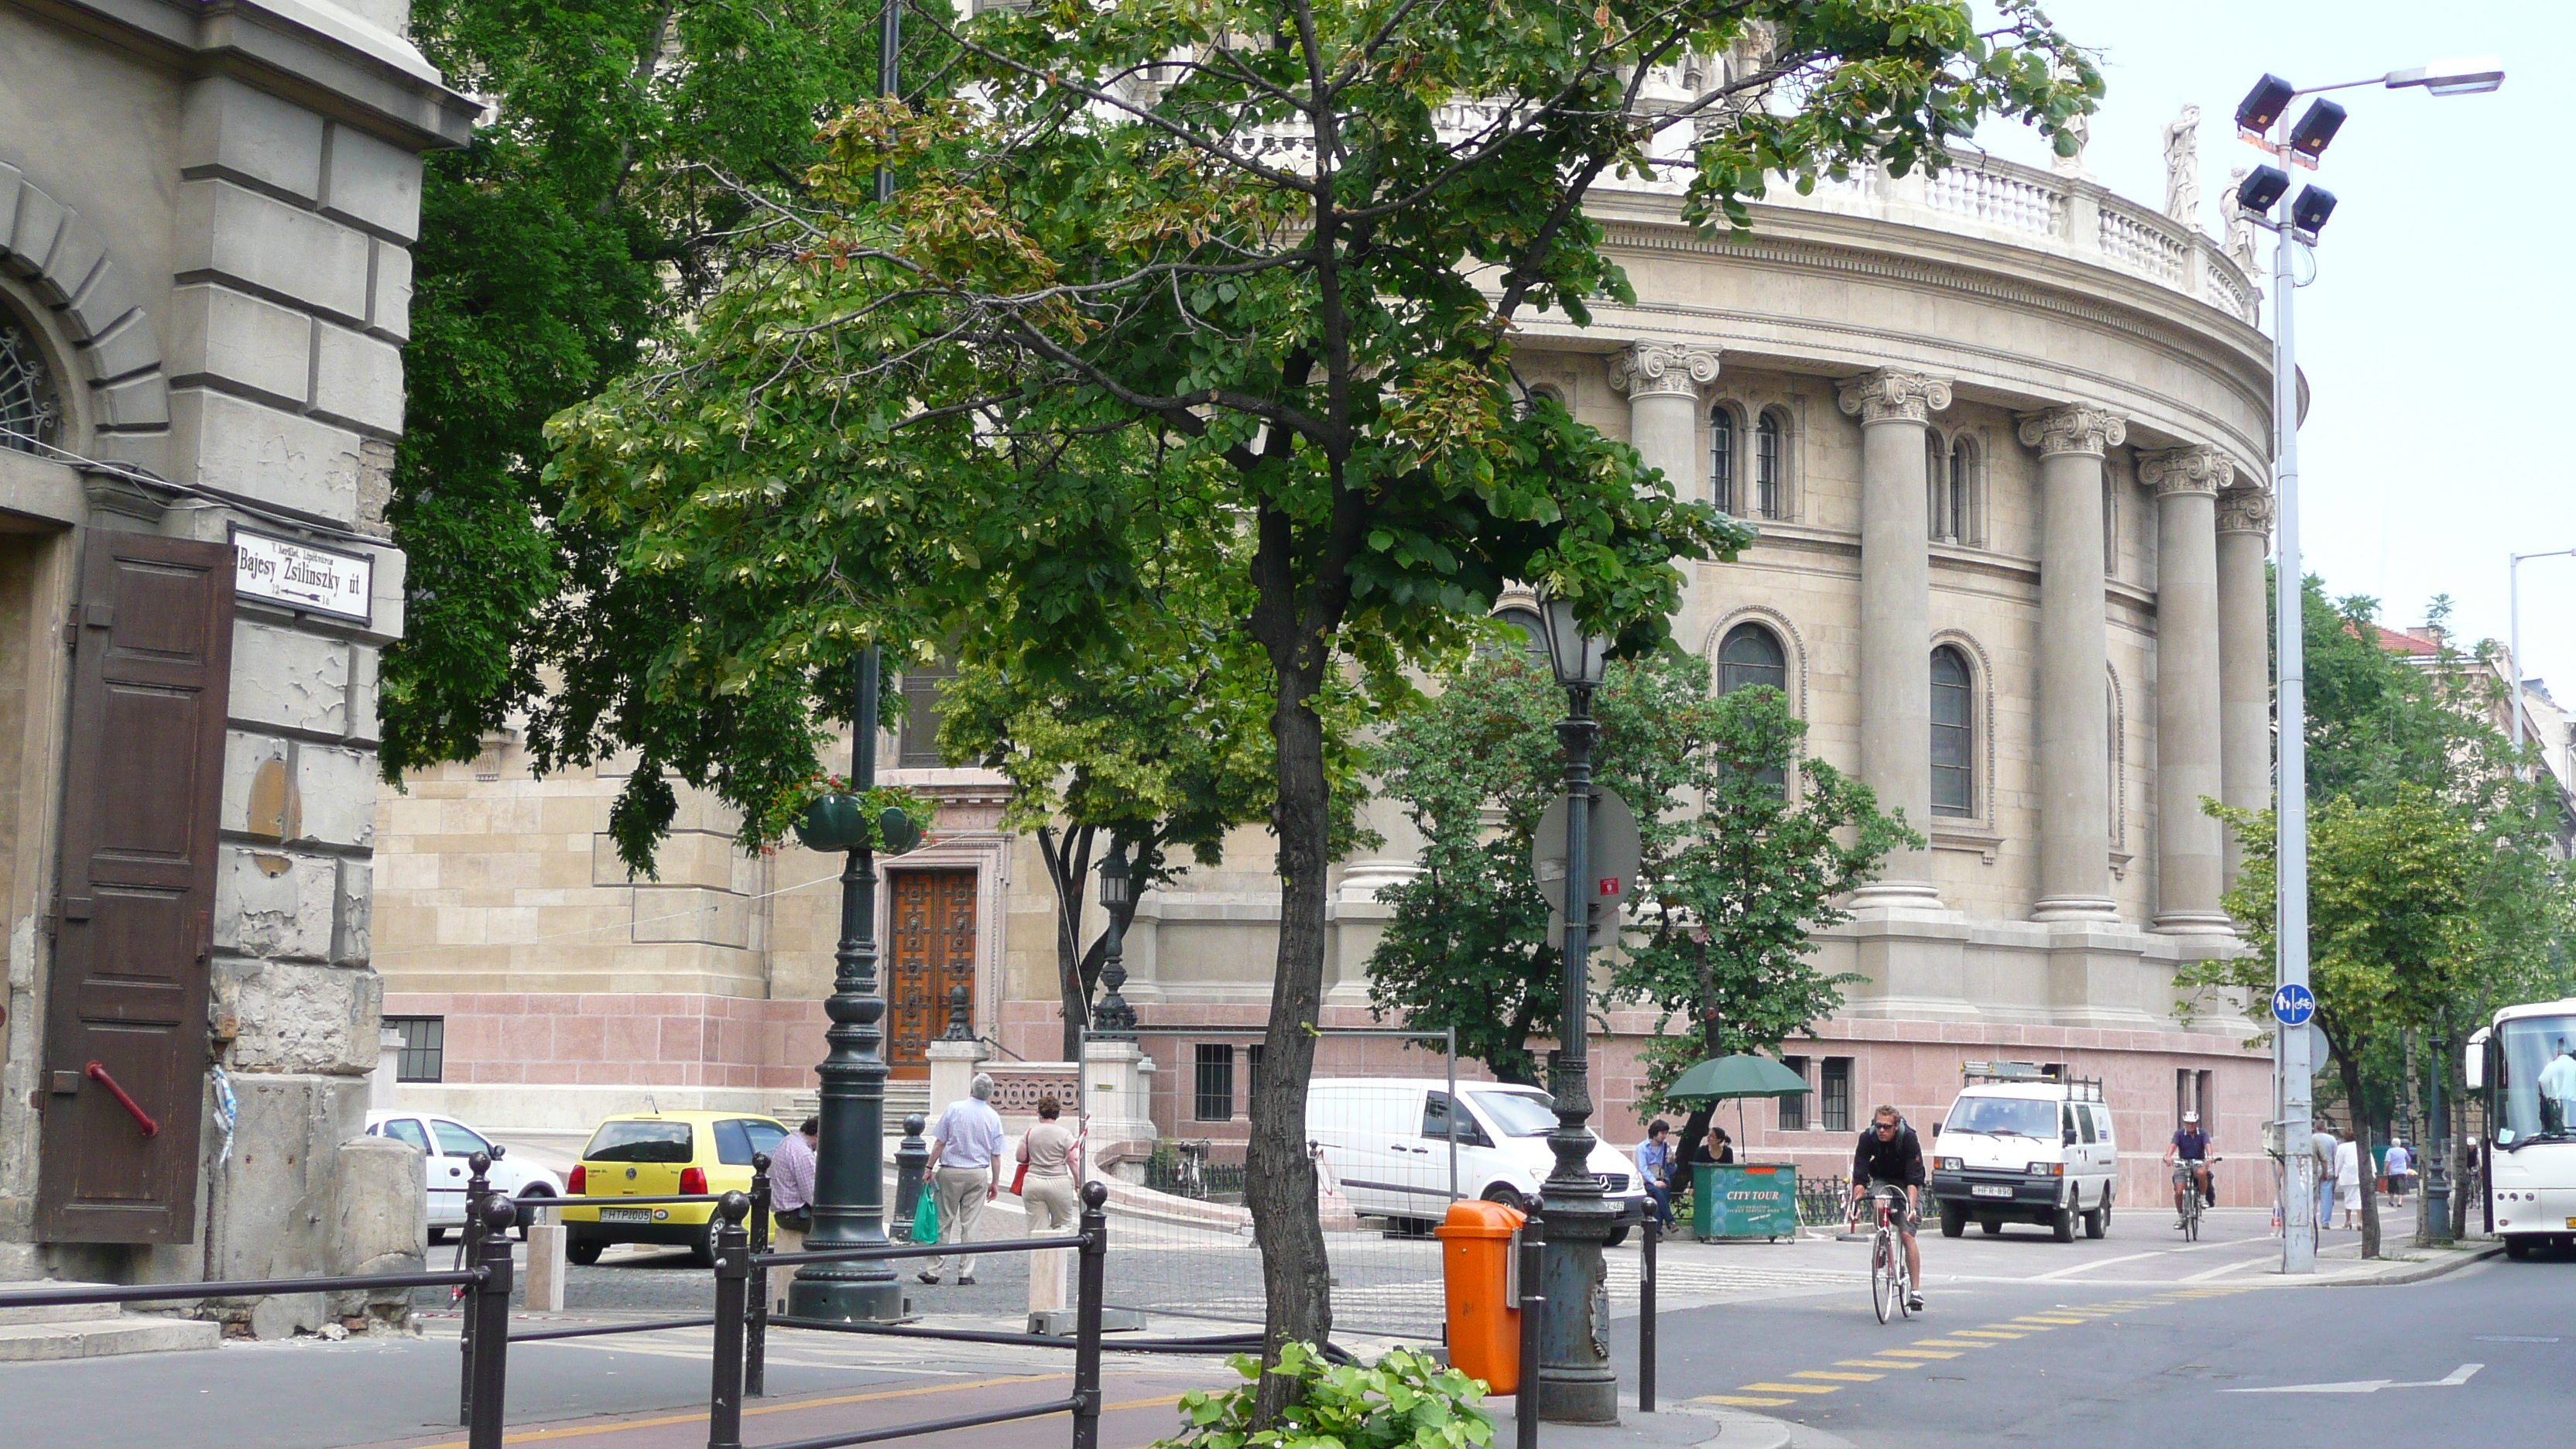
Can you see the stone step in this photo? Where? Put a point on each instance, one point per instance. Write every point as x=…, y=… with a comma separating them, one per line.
x=71, y=1313
x=101, y=1337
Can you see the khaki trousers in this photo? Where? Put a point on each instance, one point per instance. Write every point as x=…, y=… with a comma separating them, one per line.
x=960, y=1194
x=782, y=1240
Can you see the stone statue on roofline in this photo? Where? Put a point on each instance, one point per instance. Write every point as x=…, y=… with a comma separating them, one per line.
x=2240, y=228
x=2182, y=168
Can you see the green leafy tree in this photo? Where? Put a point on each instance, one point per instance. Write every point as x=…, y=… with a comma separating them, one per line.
x=2393, y=928
x=627, y=141
x=1289, y=243
x=1736, y=872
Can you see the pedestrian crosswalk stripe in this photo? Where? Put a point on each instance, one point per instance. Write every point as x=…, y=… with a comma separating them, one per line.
x=1983, y=1333
x=1741, y=1401
x=1843, y=1378
x=1787, y=1389
x=1876, y=1363
x=1949, y=1343
x=1922, y=1352
x=2051, y=1319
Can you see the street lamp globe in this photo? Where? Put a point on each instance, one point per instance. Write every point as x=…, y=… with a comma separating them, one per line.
x=1113, y=878
x=1578, y=658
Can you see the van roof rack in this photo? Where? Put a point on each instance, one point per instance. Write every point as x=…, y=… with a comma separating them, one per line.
x=2080, y=1089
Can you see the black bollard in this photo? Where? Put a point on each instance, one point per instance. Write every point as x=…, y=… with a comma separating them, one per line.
x=489, y=1312
x=733, y=1284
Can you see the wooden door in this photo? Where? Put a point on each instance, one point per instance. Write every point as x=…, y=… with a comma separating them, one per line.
x=931, y=951
x=134, y=912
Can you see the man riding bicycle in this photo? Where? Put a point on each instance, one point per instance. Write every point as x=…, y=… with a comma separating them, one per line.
x=2190, y=1146
x=1891, y=1156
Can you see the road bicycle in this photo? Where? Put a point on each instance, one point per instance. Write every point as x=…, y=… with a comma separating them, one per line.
x=2192, y=1203
x=1891, y=1282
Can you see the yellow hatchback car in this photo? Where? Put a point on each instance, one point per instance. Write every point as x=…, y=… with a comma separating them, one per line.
x=660, y=1154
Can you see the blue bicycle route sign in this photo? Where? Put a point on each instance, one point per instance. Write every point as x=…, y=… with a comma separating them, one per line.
x=2293, y=1004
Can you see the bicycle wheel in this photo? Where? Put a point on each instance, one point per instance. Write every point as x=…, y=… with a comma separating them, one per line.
x=1882, y=1277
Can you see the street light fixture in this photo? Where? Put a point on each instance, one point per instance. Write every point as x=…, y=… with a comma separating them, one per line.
x=2257, y=117
x=1575, y=1381
x=1115, y=1020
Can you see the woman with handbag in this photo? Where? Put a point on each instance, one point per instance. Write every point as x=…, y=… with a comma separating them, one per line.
x=1045, y=1178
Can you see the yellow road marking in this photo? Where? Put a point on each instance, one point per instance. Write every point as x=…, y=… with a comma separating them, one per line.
x=1876, y=1363
x=1924, y=1352
x=536, y=1436
x=1951, y=1343
x=1983, y=1333
x=1843, y=1378
x=1787, y=1389
x=2048, y=1320
x=1741, y=1401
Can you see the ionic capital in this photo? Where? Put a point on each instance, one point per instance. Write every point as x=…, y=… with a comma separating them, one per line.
x=2074, y=428
x=2245, y=510
x=1663, y=369
x=2201, y=470
x=1892, y=396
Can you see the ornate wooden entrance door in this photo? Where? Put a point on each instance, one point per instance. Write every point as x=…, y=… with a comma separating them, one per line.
x=932, y=949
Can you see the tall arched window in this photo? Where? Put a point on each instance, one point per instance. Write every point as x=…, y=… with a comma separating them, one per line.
x=1954, y=767
x=1721, y=458
x=1767, y=482
x=1751, y=655
x=1532, y=642
x=27, y=407
x=1963, y=491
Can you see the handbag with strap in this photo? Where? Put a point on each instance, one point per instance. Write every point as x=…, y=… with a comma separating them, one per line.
x=1021, y=1177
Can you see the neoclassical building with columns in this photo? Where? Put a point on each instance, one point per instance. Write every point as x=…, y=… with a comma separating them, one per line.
x=2005, y=436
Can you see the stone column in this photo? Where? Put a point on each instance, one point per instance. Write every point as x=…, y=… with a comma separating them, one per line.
x=1896, y=616
x=2188, y=853
x=2244, y=658
x=1662, y=381
x=2074, y=724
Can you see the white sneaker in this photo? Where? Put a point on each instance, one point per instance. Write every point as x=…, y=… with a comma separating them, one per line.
x=1915, y=1302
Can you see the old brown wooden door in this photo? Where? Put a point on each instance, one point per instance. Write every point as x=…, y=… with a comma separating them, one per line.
x=133, y=922
x=932, y=950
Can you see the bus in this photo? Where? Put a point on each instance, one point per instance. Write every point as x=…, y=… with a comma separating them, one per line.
x=2525, y=1063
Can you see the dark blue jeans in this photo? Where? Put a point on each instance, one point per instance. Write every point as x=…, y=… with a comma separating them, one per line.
x=1662, y=1198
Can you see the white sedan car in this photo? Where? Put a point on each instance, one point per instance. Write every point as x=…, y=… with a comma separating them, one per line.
x=447, y=1143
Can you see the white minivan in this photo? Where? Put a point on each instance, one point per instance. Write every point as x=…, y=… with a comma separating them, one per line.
x=1387, y=1141
x=2019, y=1146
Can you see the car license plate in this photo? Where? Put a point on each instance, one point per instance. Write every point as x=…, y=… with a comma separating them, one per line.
x=626, y=1215
x=1983, y=1190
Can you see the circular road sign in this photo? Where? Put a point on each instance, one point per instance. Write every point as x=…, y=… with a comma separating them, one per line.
x=1613, y=848
x=2293, y=1004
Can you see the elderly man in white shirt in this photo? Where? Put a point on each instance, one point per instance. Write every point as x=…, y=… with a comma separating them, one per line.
x=966, y=1150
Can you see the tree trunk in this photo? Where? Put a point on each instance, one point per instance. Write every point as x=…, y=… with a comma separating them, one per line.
x=2350, y=1066
x=1067, y=864
x=1279, y=1181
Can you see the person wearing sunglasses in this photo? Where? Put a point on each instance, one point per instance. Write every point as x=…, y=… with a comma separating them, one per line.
x=1890, y=1155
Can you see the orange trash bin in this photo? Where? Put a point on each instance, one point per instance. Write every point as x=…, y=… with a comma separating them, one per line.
x=1476, y=1273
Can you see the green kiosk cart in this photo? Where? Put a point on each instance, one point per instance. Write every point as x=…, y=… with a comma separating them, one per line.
x=1738, y=1200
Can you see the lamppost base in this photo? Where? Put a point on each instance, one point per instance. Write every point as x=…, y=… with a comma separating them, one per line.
x=1576, y=1384
x=847, y=1300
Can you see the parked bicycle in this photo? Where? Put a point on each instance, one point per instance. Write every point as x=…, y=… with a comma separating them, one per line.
x=1891, y=1282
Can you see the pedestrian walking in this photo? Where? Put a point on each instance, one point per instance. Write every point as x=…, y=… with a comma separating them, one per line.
x=1655, y=1168
x=2321, y=1151
x=2401, y=1163
x=967, y=1148
x=791, y=1202
x=1047, y=1154
x=2347, y=1177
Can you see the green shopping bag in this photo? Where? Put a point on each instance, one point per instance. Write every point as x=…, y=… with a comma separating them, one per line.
x=925, y=1219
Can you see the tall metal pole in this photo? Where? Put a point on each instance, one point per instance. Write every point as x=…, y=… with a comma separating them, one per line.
x=2298, y=1235
x=849, y=1159
x=1575, y=1381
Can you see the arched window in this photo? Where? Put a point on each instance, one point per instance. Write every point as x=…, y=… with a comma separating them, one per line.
x=1721, y=458
x=1751, y=655
x=1768, y=485
x=1548, y=390
x=1963, y=491
x=1532, y=642
x=1936, y=491
x=27, y=407
x=1954, y=768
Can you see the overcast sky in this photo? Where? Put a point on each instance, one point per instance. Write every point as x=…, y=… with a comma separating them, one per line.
x=2436, y=337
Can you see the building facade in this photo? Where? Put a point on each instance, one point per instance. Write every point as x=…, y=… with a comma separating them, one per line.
x=205, y=221
x=2005, y=436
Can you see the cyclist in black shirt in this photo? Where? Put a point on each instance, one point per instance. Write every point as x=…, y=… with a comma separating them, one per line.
x=1890, y=1155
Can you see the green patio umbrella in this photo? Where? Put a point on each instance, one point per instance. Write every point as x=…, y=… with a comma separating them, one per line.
x=1740, y=1076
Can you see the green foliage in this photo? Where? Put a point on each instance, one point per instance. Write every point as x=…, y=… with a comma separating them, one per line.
x=788, y=806
x=627, y=140
x=1735, y=874
x=1403, y=1401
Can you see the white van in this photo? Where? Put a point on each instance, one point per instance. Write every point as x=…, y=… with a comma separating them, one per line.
x=2021, y=1146
x=1387, y=1141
